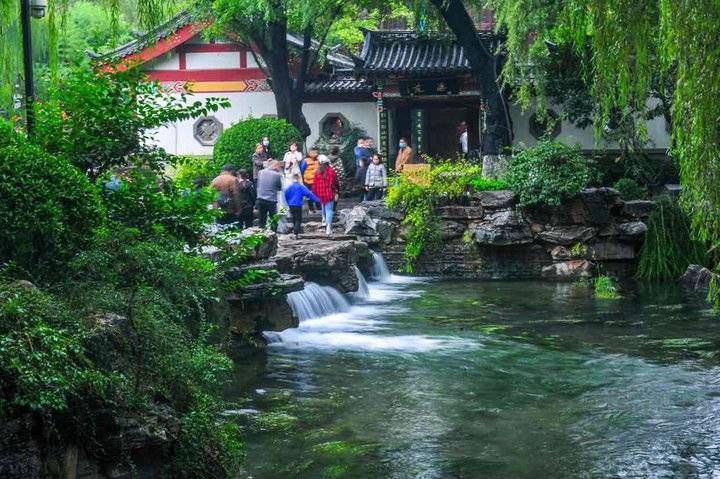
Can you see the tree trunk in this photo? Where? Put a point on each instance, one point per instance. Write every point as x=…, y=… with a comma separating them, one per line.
x=289, y=94
x=482, y=62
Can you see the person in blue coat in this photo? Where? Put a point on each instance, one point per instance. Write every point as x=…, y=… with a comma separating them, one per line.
x=295, y=195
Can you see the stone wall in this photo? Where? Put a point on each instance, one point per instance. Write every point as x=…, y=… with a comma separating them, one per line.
x=489, y=237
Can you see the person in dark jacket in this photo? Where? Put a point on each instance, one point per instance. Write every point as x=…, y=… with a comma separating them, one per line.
x=259, y=159
x=248, y=196
x=295, y=195
x=360, y=178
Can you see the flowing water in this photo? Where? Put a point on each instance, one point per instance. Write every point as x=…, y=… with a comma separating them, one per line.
x=429, y=379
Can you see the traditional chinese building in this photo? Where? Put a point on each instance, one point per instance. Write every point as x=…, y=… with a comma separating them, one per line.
x=401, y=84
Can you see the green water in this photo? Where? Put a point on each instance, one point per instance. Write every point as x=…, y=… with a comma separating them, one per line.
x=490, y=380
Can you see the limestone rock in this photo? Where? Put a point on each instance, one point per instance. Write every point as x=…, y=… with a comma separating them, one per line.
x=568, y=270
x=633, y=229
x=462, y=213
x=20, y=455
x=264, y=250
x=611, y=251
x=495, y=199
x=503, y=228
x=567, y=235
x=451, y=230
x=324, y=261
x=637, y=208
x=599, y=203
x=372, y=222
x=278, y=286
x=697, y=278
x=560, y=253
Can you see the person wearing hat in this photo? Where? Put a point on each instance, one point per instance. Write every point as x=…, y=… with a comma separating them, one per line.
x=326, y=187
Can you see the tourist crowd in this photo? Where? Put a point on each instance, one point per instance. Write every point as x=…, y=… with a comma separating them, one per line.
x=283, y=185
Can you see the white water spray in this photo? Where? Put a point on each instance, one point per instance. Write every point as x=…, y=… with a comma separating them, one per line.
x=316, y=301
x=363, y=292
x=379, y=271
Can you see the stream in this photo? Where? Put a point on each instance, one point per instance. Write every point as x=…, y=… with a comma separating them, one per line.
x=412, y=378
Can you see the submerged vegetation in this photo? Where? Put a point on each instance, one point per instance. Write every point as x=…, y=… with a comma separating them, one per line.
x=605, y=288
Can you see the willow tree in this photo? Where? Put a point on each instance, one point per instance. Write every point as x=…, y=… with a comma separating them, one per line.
x=624, y=45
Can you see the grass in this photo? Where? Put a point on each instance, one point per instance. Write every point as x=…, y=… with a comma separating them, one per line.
x=605, y=288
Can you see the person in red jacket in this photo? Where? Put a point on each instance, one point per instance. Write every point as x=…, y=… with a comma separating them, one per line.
x=326, y=186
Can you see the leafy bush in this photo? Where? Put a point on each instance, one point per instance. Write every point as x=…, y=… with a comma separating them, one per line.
x=630, y=190
x=605, y=288
x=237, y=144
x=144, y=200
x=48, y=208
x=447, y=182
x=193, y=171
x=548, y=173
x=669, y=246
x=42, y=359
x=99, y=120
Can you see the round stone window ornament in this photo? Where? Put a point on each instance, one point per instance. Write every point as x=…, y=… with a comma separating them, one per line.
x=207, y=130
x=546, y=125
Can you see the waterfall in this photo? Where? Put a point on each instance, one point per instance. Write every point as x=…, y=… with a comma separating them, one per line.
x=315, y=301
x=363, y=291
x=380, y=271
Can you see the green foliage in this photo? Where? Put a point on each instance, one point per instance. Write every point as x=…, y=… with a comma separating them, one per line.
x=605, y=288
x=630, y=190
x=446, y=182
x=237, y=144
x=42, y=359
x=578, y=250
x=100, y=121
x=153, y=203
x=193, y=171
x=203, y=434
x=352, y=134
x=630, y=52
x=548, y=173
x=669, y=247
x=48, y=208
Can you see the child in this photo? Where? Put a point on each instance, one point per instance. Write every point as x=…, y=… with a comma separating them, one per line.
x=376, y=179
x=294, y=195
x=360, y=178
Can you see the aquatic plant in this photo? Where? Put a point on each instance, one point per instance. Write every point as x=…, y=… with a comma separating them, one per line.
x=605, y=288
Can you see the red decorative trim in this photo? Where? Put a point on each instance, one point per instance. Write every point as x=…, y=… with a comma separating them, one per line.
x=206, y=75
x=211, y=48
x=161, y=47
x=182, y=60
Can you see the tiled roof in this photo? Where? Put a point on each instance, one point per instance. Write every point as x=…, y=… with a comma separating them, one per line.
x=413, y=53
x=338, y=85
x=148, y=39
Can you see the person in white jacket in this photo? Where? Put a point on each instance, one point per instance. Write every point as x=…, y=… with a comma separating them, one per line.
x=291, y=164
x=376, y=179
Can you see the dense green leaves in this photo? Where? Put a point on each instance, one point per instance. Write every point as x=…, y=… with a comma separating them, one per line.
x=237, y=144
x=48, y=208
x=548, y=173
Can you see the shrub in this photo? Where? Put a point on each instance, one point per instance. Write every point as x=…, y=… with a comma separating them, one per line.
x=193, y=171
x=447, y=182
x=42, y=360
x=630, y=190
x=144, y=200
x=669, y=247
x=548, y=173
x=98, y=120
x=237, y=144
x=48, y=208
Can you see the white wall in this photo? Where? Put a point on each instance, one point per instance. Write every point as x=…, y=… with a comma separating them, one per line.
x=178, y=139
x=571, y=134
x=169, y=61
x=212, y=60
x=363, y=114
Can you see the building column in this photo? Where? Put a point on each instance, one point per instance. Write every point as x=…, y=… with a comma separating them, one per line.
x=382, y=119
x=417, y=123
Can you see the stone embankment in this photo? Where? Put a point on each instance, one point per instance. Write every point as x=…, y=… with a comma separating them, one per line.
x=491, y=238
